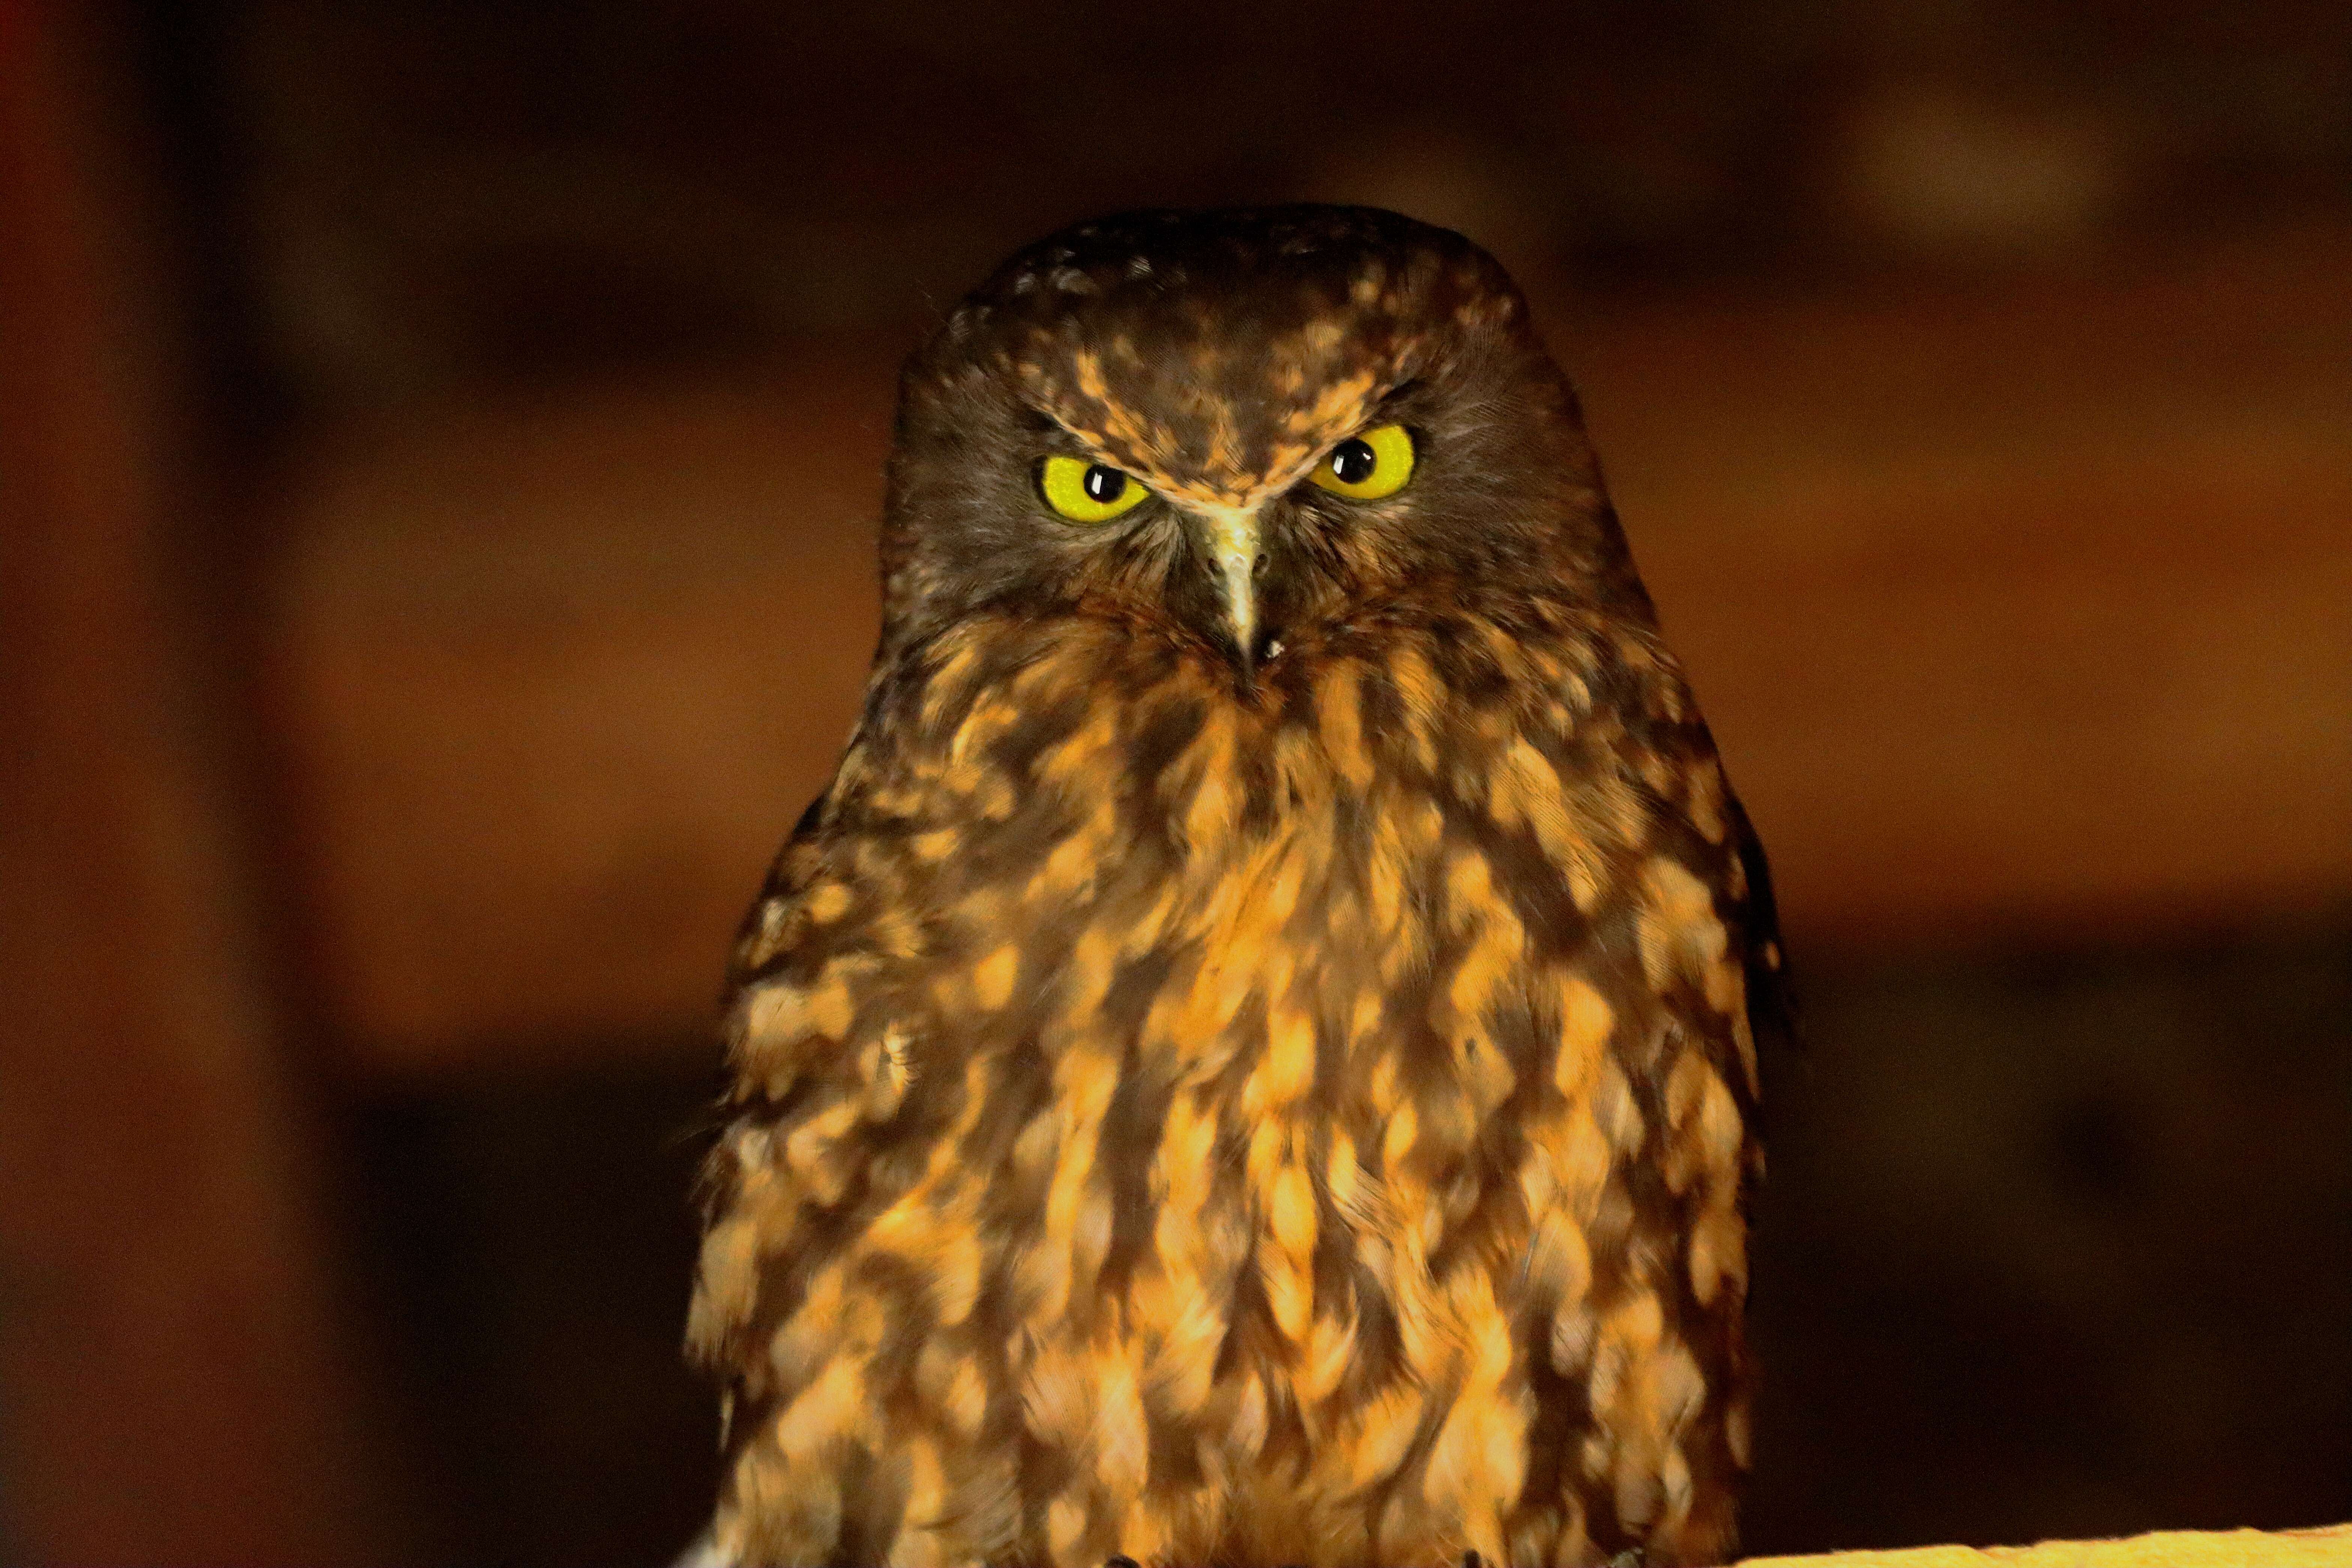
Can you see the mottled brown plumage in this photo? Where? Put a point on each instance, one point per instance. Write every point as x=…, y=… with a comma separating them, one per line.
x=1245, y=1066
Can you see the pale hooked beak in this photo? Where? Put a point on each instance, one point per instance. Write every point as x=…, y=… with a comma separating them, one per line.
x=1233, y=548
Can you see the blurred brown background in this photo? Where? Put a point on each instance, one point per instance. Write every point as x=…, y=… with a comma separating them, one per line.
x=439, y=448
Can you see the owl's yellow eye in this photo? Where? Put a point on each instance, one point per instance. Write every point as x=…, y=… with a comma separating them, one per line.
x=1087, y=492
x=1368, y=467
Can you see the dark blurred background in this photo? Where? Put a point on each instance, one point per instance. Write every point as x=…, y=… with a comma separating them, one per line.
x=439, y=449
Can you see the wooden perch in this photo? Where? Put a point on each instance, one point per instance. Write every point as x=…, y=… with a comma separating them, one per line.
x=2325, y=1548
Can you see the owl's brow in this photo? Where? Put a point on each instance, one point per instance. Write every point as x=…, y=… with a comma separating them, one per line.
x=1293, y=459
x=1037, y=418
x=1089, y=442
x=1059, y=434
x=1378, y=411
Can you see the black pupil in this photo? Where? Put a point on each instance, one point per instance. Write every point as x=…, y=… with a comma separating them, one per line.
x=1352, y=462
x=1102, y=485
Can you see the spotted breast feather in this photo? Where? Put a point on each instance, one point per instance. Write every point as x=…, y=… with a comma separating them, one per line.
x=1305, y=1130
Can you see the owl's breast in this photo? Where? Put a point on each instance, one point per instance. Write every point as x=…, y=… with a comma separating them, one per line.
x=1236, y=1094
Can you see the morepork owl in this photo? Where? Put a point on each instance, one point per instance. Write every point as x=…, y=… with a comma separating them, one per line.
x=1250, y=1060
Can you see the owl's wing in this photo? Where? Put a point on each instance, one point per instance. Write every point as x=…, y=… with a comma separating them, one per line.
x=787, y=879
x=827, y=1007
x=748, y=1210
x=1773, y=1011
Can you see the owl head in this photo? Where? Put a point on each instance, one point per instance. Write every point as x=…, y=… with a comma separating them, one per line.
x=1233, y=427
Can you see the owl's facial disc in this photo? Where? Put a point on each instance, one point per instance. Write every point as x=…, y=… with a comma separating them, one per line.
x=1236, y=431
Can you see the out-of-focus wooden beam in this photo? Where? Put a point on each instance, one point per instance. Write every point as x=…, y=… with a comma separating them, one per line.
x=555, y=682
x=167, y=1389
x=2019, y=613
x=2018, y=609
